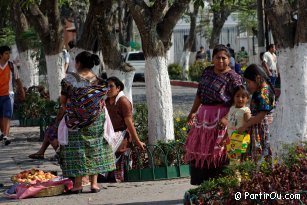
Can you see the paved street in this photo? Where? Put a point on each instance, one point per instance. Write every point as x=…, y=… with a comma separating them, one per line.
x=14, y=158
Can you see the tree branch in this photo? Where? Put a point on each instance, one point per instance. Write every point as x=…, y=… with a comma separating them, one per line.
x=301, y=28
x=139, y=11
x=157, y=10
x=54, y=16
x=37, y=19
x=165, y=28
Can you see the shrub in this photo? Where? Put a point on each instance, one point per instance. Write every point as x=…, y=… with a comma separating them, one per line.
x=35, y=106
x=140, y=121
x=196, y=70
x=175, y=71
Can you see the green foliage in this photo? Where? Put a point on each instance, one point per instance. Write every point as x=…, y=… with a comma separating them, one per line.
x=7, y=36
x=214, y=185
x=247, y=21
x=174, y=71
x=181, y=128
x=35, y=106
x=294, y=153
x=141, y=121
x=31, y=38
x=141, y=124
x=196, y=70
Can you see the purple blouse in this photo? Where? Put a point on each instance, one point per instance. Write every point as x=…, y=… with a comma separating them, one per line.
x=216, y=89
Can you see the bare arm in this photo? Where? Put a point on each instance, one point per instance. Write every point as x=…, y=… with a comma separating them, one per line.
x=63, y=100
x=20, y=90
x=252, y=121
x=266, y=68
x=132, y=132
x=194, y=109
x=247, y=116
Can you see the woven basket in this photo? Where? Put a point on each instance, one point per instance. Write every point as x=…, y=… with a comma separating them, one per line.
x=51, y=191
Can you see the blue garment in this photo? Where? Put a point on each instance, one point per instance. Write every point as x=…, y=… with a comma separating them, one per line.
x=5, y=107
x=232, y=63
x=238, y=69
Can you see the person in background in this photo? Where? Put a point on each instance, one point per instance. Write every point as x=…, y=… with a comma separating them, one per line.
x=208, y=117
x=201, y=54
x=9, y=77
x=269, y=63
x=232, y=52
x=66, y=60
x=120, y=110
x=71, y=55
x=87, y=152
x=242, y=56
x=262, y=103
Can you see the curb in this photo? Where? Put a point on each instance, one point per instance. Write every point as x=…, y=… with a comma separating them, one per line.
x=184, y=83
x=173, y=83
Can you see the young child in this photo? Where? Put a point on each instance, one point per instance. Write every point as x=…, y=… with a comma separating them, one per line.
x=262, y=102
x=238, y=115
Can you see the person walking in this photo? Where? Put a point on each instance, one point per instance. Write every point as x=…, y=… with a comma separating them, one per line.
x=8, y=77
x=86, y=153
x=208, y=117
x=269, y=63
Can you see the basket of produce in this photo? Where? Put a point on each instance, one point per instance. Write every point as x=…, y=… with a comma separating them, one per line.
x=37, y=183
x=51, y=191
x=32, y=176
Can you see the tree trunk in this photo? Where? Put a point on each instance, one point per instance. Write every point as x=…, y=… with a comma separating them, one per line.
x=47, y=24
x=185, y=58
x=184, y=62
x=99, y=28
x=260, y=35
x=55, y=75
x=155, y=25
x=28, y=69
x=159, y=100
x=219, y=19
x=290, y=120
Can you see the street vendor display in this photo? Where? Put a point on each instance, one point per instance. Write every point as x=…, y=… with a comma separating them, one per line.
x=37, y=183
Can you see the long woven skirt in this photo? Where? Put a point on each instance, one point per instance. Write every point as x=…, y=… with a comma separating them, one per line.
x=203, y=152
x=87, y=152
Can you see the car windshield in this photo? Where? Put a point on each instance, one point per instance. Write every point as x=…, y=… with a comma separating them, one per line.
x=136, y=57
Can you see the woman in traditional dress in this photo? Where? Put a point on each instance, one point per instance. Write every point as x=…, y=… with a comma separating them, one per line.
x=87, y=153
x=208, y=117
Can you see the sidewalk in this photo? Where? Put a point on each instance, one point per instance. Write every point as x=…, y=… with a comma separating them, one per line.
x=14, y=159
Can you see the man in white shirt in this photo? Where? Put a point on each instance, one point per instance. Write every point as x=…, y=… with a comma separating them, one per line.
x=269, y=63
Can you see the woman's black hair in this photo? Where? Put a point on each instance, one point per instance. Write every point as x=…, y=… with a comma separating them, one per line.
x=253, y=70
x=221, y=47
x=117, y=82
x=87, y=60
x=241, y=88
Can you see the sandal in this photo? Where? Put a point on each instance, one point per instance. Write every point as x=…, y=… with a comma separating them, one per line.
x=36, y=156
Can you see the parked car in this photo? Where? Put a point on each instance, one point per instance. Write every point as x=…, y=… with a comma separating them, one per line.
x=137, y=60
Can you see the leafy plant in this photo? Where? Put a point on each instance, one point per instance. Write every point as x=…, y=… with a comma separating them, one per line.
x=141, y=121
x=34, y=106
x=181, y=128
x=175, y=71
x=196, y=70
x=280, y=178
